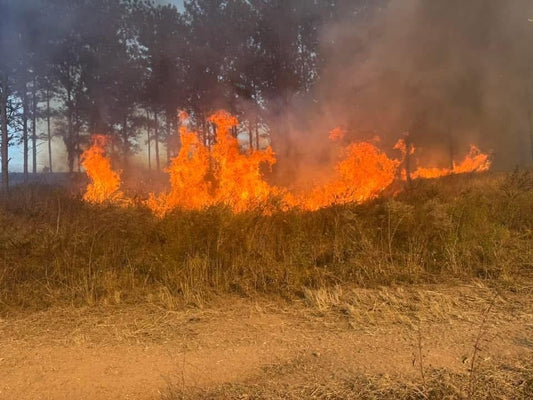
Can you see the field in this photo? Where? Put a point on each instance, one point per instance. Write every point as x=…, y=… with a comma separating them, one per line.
x=424, y=294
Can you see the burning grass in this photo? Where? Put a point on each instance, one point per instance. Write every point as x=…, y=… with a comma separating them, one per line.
x=222, y=174
x=60, y=250
x=105, y=183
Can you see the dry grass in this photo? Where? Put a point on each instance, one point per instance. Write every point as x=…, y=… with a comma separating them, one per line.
x=424, y=312
x=302, y=379
x=78, y=275
x=441, y=385
x=57, y=250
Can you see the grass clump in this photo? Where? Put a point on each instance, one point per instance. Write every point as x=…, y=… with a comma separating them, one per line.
x=441, y=385
x=56, y=249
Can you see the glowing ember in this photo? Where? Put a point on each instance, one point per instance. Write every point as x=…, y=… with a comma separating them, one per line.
x=105, y=183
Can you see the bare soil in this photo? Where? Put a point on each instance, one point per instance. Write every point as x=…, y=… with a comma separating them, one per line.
x=241, y=348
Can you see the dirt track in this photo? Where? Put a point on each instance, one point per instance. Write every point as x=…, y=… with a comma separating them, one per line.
x=137, y=352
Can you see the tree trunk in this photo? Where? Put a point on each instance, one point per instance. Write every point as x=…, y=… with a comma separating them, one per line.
x=34, y=126
x=177, y=136
x=70, y=135
x=213, y=135
x=250, y=137
x=76, y=139
x=451, y=148
x=408, y=167
x=78, y=149
x=204, y=132
x=257, y=145
x=125, y=141
x=25, y=132
x=168, y=137
x=49, y=132
x=5, y=137
x=156, y=141
x=148, y=141
x=530, y=123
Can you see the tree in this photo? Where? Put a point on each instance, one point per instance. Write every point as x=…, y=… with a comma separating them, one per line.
x=159, y=32
x=285, y=64
x=68, y=65
x=8, y=63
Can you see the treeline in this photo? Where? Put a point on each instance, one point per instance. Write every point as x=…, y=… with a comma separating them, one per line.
x=124, y=68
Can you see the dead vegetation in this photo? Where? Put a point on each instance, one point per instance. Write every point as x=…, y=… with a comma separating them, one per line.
x=424, y=295
x=441, y=384
x=426, y=316
x=57, y=250
x=262, y=348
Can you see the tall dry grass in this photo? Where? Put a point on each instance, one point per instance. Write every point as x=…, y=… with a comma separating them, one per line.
x=55, y=249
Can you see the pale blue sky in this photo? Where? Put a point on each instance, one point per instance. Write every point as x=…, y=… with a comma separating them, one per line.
x=179, y=3
x=15, y=152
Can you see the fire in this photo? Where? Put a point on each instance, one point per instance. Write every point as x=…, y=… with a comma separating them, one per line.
x=105, y=183
x=188, y=170
x=402, y=146
x=201, y=177
x=240, y=181
x=363, y=174
x=223, y=174
x=475, y=161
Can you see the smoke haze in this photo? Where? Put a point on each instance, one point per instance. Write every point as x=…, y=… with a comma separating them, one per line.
x=449, y=73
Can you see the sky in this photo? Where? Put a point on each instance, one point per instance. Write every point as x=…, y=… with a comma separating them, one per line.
x=178, y=3
x=16, y=162
x=421, y=47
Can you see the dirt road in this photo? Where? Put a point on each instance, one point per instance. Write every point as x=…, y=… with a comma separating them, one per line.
x=237, y=347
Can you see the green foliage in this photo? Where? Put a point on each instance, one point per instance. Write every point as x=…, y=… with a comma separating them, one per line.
x=54, y=248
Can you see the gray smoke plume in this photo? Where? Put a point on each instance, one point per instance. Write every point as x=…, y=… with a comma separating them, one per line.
x=450, y=73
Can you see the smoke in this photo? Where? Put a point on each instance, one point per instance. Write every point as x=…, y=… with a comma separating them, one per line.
x=448, y=73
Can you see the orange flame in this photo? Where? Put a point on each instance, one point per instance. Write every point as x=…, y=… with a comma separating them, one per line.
x=402, y=146
x=475, y=161
x=105, y=183
x=201, y=176
x=188, y=170
x=240, y=181
x=362, y=175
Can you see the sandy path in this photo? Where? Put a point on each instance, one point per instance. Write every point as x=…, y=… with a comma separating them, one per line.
x=134, y=352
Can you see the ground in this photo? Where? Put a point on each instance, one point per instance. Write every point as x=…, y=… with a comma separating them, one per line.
x=337, y=343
